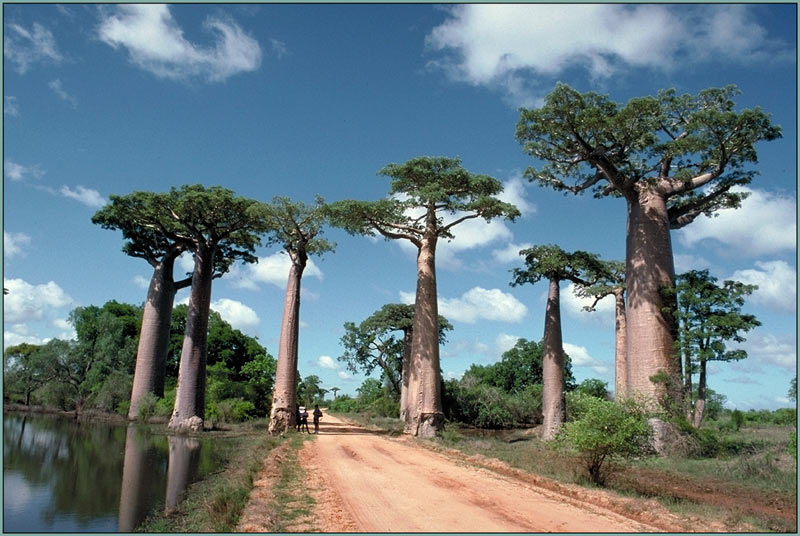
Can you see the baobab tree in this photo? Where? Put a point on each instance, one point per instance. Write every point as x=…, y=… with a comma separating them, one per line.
x=423, y=191
x=672, y=158
x=555, y=265
x=218, y=229
x=297, y=228
x=613, y=284
x=140, y=221
x=373, y=344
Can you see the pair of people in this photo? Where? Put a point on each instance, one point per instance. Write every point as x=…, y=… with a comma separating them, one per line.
x=302, y=418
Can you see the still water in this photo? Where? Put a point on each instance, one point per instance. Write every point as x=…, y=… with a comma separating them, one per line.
x=63, y=476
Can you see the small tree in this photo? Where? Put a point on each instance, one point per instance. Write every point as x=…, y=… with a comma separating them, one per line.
x=708, y=316
x=602, y=431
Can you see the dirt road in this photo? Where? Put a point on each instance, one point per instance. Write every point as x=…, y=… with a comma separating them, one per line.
x=365, y=482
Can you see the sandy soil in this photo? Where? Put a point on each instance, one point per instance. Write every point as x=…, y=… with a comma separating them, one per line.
x=364, y=482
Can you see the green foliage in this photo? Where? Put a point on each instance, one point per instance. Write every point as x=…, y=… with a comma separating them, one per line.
x=486, y=406
x=603, y=431
x=344, y=404
x=147, y=406
x=553, y=263
x=518, y=368
x=115, y=390
x=737, y=417
x=793, y=389
x=594, y=387
x=792, y=446
x=231, y=410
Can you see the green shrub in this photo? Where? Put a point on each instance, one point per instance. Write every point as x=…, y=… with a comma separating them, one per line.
x=344, y=404
x=737, y=418
x=123, y=407
x=147, y=405
x=231, y=410
x=792, y=446
x=604, y=430
x=114, y=389
x=384, y=407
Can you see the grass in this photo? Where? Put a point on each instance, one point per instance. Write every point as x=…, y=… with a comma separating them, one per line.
x=292, y=504
x=215, y=503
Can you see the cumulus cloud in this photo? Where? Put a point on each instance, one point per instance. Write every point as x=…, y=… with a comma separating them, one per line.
x=503, y=44
x=326, y=361
x=18, y=172
x=58, y=89
x=510, y=253
x=515, y=192
x=14, y=244
x=573, y=306
x=25, y=302
x=580, y=357
x=237, y=314
x=478, y=304
x=344, y=375
x=141, y=281
x=777, y=284
x=156, y=43
x=770, y=349
x=685, y=262
x=90, y=198
x=10, y=106
x=272, y=270
x=766, y=223
x=24, y=47
x=505, y=342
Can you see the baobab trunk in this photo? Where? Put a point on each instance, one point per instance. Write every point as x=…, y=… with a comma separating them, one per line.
x=425, y=416
x=700, y=405
x=151, y=354
x=184, y=459
x=282, y=415
x=620, y=347
x=651, y=329
x=190, y=398
x=135, y=470
x=553, y=403
x=405, y=375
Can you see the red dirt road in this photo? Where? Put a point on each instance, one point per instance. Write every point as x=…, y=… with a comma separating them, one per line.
x=366, y=482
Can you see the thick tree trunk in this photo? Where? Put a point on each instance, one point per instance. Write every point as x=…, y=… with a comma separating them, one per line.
x=651, y=329
x=151, y=355
x=700, y=405
x=620, y=347
x=425, y=416
x=284, y=399
x=190, y=398
x=405, y=375
x=553, y=404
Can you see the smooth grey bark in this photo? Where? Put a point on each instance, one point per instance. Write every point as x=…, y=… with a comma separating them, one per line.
x=406, y=376
x=425, y=414
x=151, y=354
x=620, y=345
x=651, y=330
x=282, y=414
x=189, y=410
x=553, y=402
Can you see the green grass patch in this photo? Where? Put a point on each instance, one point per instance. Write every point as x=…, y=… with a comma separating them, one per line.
x=292, y=504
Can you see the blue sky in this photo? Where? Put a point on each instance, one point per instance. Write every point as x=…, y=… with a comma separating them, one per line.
x=298, y=100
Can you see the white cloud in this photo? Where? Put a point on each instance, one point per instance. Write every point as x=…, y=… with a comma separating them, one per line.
x=510, y=253
x=505, y=342
x=326, y=361
x=508, y=45
x=279, y=48
x=272, y=270
x=514, y=192
x=766, y=223
x=344, y=375
x=685, y=262
x=580, y=357
x=58, y=89
x=10, y=106
x=237, y=314
x=769, y=349
x=25, y=47
x=573, y=305
x=25, y=302
x=18, y=172
x=478, y=304
x=87, y=196
x=777, y=284
x=141, y=282
x=157, y=44
x=14, y=243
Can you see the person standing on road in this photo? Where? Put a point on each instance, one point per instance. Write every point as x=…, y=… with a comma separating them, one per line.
x=304, y=419
x=317, y=415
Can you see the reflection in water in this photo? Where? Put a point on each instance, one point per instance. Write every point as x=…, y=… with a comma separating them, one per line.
x=63, y=476
x=184, y=457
